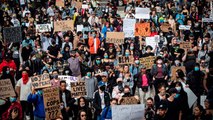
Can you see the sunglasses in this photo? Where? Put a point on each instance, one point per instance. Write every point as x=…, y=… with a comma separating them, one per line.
x=83, y=115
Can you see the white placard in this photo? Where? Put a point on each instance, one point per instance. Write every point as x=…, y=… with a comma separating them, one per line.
x=142, y=13
x=22, y=2
x=184, y=27
x=128, y=112
x=191, y=96
x=84, y=6
x=152, y=41
x=129, y=27
x=202, y=99
x=68, y=80
x=207, y=19
x=80, y=27
x=43, y=28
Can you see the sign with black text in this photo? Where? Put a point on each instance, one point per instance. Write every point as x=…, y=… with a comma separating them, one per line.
x=12, y=34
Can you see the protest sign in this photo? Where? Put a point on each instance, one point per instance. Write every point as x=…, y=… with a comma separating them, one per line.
x=142, y=13
x=78, y=88
x=85, y=6
x=80, y=27
x=129, y=27
x=174, y=69
x=151, y=41
x=64, y=25
x=42, y=81
x=68, y=80
x=59, y=3
x=142, y=29
x=185, y=45
x=165, y=27
x=6, y=89
x=77, y=4
x=122, y=60
x=51, y=103
x=43, y=28
x=207, y=19
x=191, y=96
x=128, y=112
x=184, y=27
x=129, y=100
x=115, y=37
x=22, y=2
x=148, y=61
x=12, y=34
x=202, y=100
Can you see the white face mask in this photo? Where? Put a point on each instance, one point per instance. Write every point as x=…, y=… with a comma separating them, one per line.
x=178, y=88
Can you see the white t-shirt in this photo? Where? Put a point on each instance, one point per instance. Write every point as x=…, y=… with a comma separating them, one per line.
x=25, y=89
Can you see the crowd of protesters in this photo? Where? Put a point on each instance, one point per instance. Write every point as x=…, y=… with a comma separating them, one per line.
x=86, y=55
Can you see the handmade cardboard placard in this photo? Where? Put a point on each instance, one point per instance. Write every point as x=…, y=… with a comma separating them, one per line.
x=12, y=34
x=78, y=89
x=148, y=61
x=129, y=100
x=142, y=29
x=42, y=81
x=59, y=3
x=165, y=27
x=174, y=69
x=64, y=25
x=40, y=28
x=77, y=4
x=51, y=103
x=185, y=45
x=122, y=60
x=6, y=89
x=115, y=37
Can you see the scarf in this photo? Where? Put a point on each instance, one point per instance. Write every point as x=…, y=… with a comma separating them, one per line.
x=25, y=78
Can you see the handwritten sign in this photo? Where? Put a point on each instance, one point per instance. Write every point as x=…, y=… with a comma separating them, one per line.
x=12, y=34
x=42, y=81
x=51, y=103
x=142, y=29
x=115, y=37
x=185, y=45
x=78, y=88
x=77, y=4
x=129, y=100
x=174, y=69
x=207, y=19
x=151, y=41
x=184, y=27
x=125, y=60
x=148, y=61
x=165, y=27
x=43, y=28
x=68, y=80
x=129, y=27
x=63, y=26
x=142, y=13
x=128, y=112
x=59, y=3
x=6, y=89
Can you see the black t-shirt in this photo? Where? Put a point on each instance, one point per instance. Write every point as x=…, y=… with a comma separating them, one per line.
x=53, y=50
x=173, y=110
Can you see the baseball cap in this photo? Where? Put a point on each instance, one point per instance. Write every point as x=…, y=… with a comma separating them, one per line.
x=101, y=83
x=162, y=106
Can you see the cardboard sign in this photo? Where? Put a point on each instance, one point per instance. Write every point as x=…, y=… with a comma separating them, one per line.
x=77, y=4
x=115, y=37
x=148, y=61
x=184, y=27
x=51, y=103
x=12, y=34
x=142, y=29
x=185, y=45
x=68, y=80
x=78, y=88
x=142, y=13
x=6, y=89
x=174, y=69
x=129, y=27
x=207, y=19
x=43, y=28
x=59, y=3
x=63, y=26
x=122, y=60
x=128, y=112
x=129, y=100
x=42, y=81
x=165, y=27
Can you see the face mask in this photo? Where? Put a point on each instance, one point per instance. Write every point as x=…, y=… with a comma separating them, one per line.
x=177, y=95
x=40, y=92
x=39, y=50
x=127, y=94
x=178, y=89
x=102, y=88
x=34, y=58
x=67, y=72
x=93, y=35
x=127, y=54
x=105, y=56
x=8, y=72
x=137, y=62
x=196, y=68
x=98, y=62
x=160, y=61
x=131, y=48
x=177, y=62
x=88, y=74
x=55, y=76
x=12, y=99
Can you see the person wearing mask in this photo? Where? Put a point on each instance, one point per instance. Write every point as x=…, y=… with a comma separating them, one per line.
x=23, y=89
x=149, y=110
x=94, y=44
x=74, y=64
x=203, y=53
x=161, y=96
x=107, y=111
x=66, y=101
x=53, y=51
x=83, y=105
x=55, y=80
x=91, y=84
x=8, y=62
x=118, y=90
x=67, y=42
x=149, y=51
x=66, y=52
x=6, y=74
x=101, y=99
x=36, y=98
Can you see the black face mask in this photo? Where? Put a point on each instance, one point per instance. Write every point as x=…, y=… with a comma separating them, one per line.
x=127, y=94
x=102, y=88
